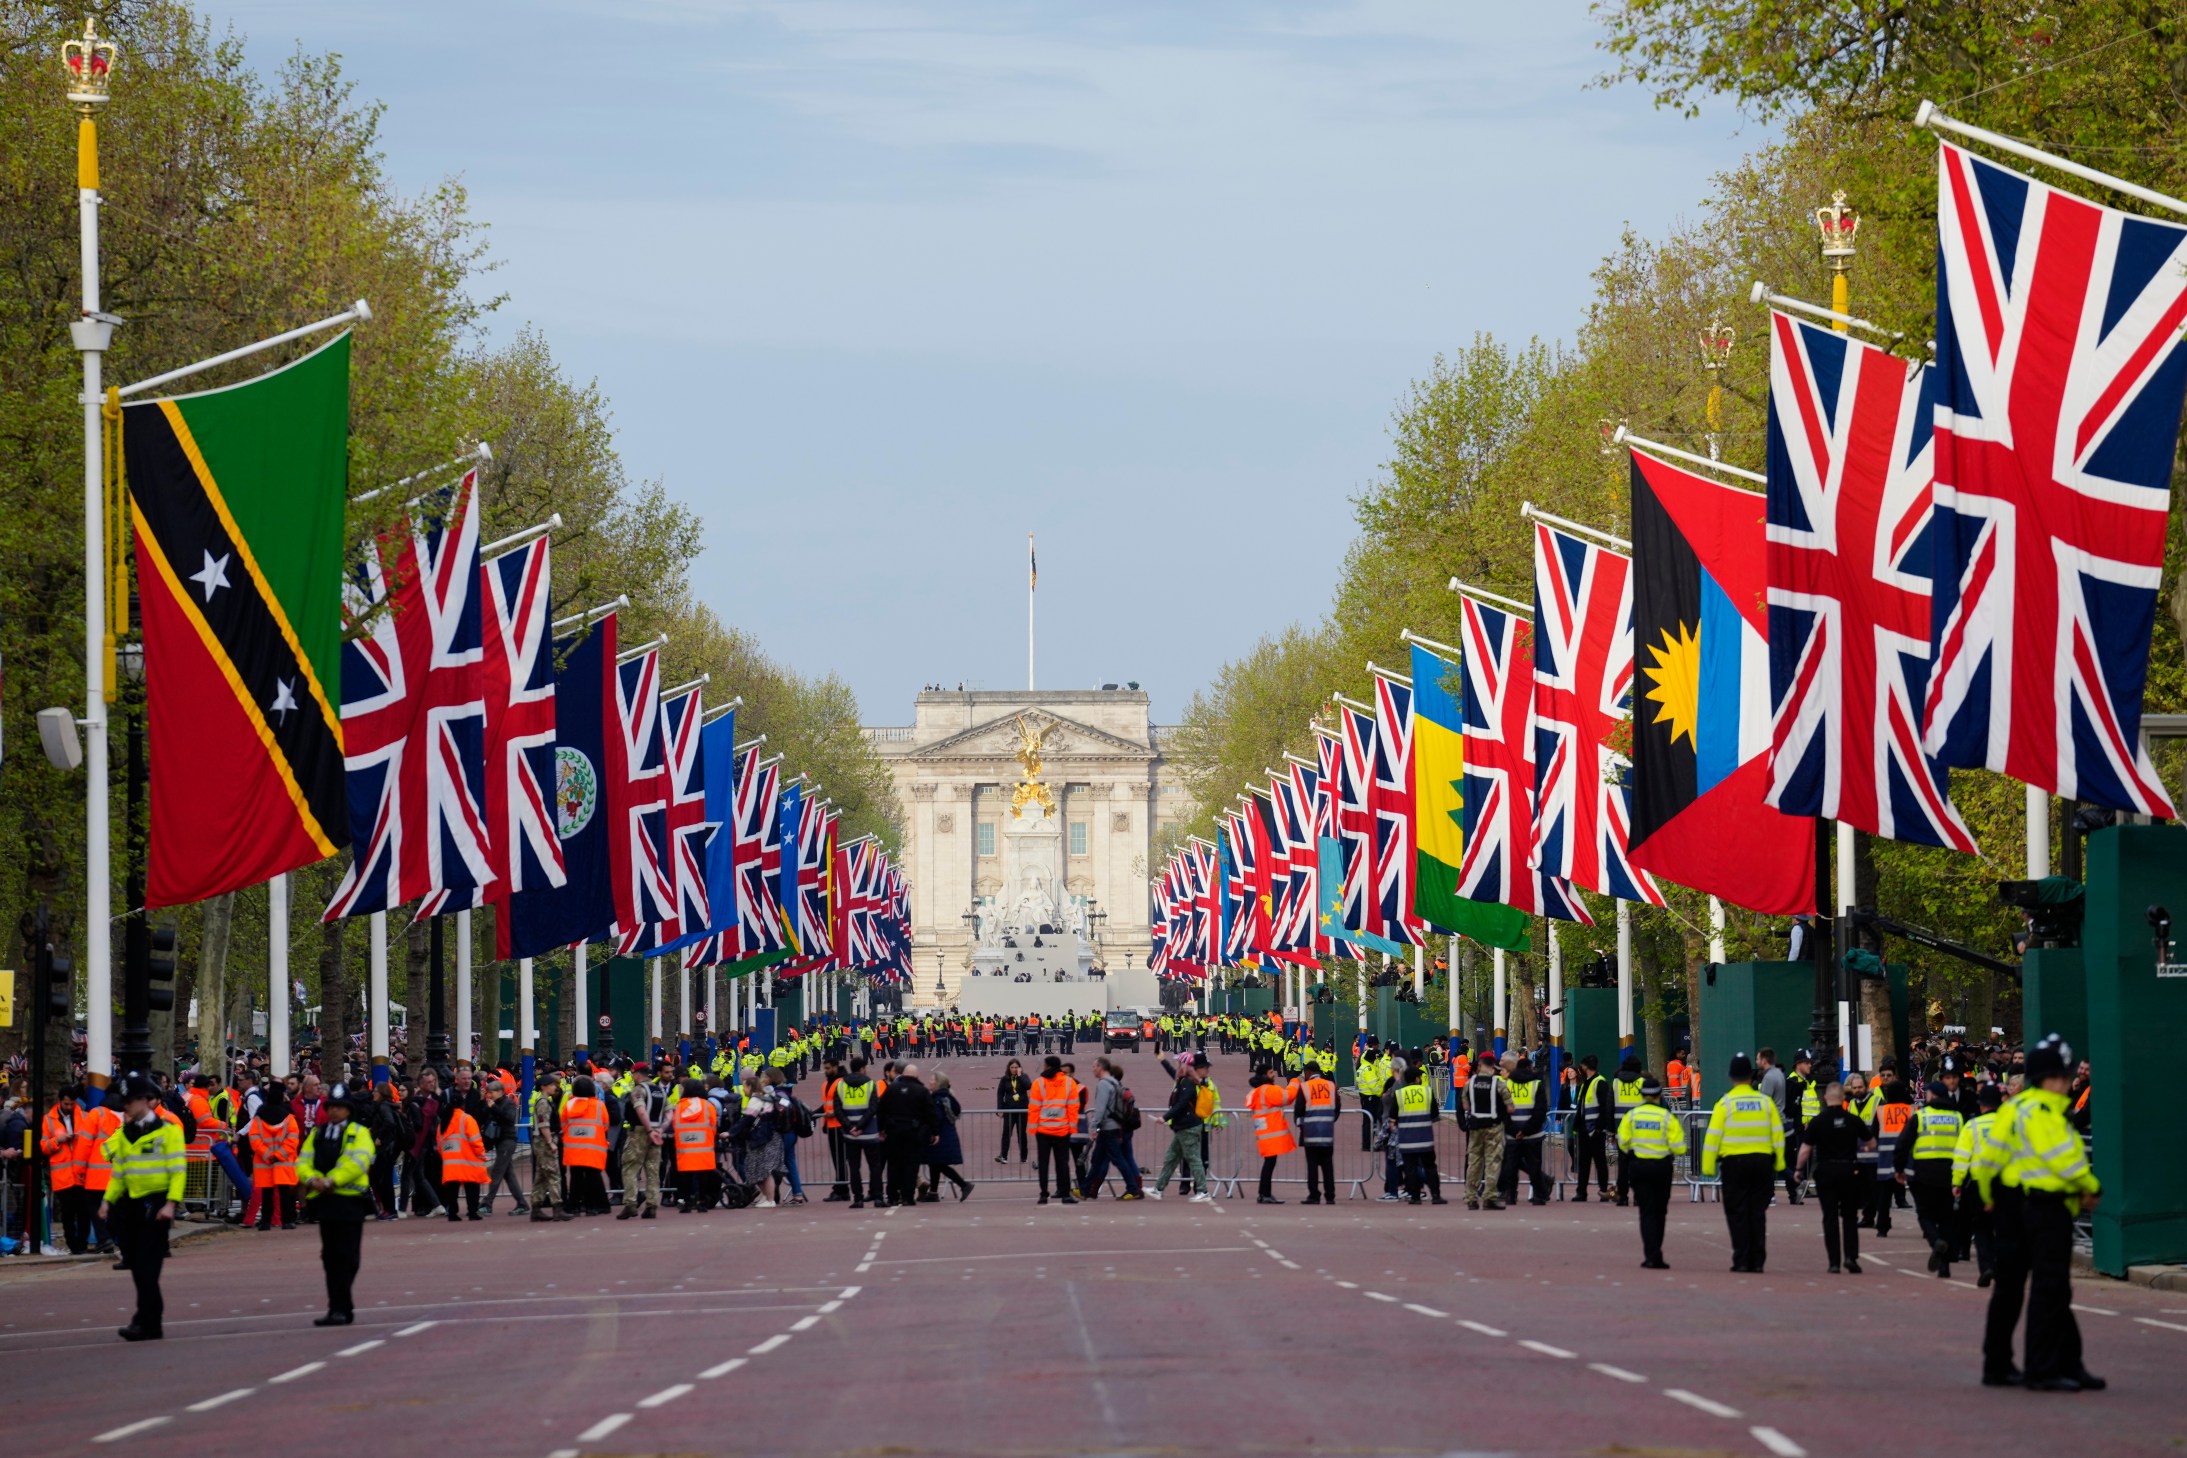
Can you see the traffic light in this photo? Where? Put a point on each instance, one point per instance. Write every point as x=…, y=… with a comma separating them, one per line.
x=57, y=974
x=159, y=993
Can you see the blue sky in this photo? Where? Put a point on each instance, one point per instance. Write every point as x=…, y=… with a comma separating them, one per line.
x=880, y=287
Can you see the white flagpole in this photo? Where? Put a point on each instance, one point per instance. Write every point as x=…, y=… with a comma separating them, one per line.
x=91, y=335
x=463, y=984
x=683, y=998
x=1497, y=994
x=1625, y=974
x=1032, y=582
x=583, y=999
x=277, y=974
x=1556, y=994
x=527, y=1030
x=1716, y=930
x=376, y=991
x=655, y=1021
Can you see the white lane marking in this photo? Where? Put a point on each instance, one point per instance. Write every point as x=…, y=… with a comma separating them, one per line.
x=563, y=1453
x=1618, y=1372
x=221, y=1401
x=1426, y=1310
x=1483, y=1330
x=1028, y=1255
x=849, y=1291
x=805, y=1323
x=2094, y=1310
x=2167, y=1325
x=1778, y=1443
x=295, y=1372
x=1273, y=1251
x=603, y=1427
x=829, y=1308
x=1349, y=1285
x=724, y=1369
x=1708, y=1405
x=861, y=1268
x=778, y=1339
x=360, y=1348
x=665, y=1396
x=115, y=1435
x=1547, y=1350
x=414, y=1330
x=1378, y=1296
x=1294, y=1265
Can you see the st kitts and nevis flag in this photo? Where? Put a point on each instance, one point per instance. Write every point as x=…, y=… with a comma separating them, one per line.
x=1498, y=708
x=537, y=919
x=1438, y=781
x=414, y=712
x=1701, y=728
x=237, y=498
x=1583, y=680
x=2061, y=374
x=1851, y=464
x=1329, y=870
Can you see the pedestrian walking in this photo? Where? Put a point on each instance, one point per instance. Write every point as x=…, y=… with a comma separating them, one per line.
x=1526, y=1123
x=1976, y=1232
x=947, y=1151
x=146, y=1155
x=854, y=1106
x=335, y=1173
x=1052, y=1111
x=1745, y=1143
x=1647, y=1137
x=1113, y=1115
x=1186, y=1125
x=1923, y=1166
x=1830, y=1150
x=908, y=1132
x=501, y=1141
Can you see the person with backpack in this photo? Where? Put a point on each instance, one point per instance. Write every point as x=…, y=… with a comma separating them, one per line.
x=947, y=1151
x=1113, y=1116
x=1185, y=1125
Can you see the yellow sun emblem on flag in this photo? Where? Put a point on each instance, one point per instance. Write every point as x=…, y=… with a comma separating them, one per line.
x=1675, y=670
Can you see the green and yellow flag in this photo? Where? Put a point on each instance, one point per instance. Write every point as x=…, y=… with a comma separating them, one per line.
x=237, y=497
x=1438, y=777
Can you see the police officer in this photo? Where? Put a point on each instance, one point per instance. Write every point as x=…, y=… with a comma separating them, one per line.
x=334, y=1172
x=146, y=1155
x=1316, y=1108
x=1647, y=1137
x=1526, y=1119
x=1746, y=1142
x=1416, y=1112
x=1975, y=1230
x=1923, y=1164
x=1830, y=1149
x=1593, y=1123
x=1799, y=1089
x=1371, y=1078
x=1626, y=1096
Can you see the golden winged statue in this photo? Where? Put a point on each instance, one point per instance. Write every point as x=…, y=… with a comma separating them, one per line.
x=1030, y=788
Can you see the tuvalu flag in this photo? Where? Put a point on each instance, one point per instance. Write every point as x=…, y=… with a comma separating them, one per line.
x=1439, y=808
x=237, y=496
x=1701, y=720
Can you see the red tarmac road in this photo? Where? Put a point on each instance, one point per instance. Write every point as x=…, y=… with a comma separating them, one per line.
x=994, y=1327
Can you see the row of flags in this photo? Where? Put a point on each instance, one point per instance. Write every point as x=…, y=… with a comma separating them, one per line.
x=471, y=749
x=1952, y=564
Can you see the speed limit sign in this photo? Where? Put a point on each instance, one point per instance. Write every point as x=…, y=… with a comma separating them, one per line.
x=606, y=1021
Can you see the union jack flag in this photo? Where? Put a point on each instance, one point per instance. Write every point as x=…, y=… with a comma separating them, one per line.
x=1851, y=462
x=1583, y=682
x=815, y=855
x=686, y=829
x=2062, y=377
x=1291, y=920
x=1205, y=868
x=414, y=712
x=644, y=886
x=1394, y=832
x=1498, y=706
x=759, y=856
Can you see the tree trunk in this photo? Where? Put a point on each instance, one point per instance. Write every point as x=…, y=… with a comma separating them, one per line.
x=490, y=1014
x=212, y=983
x=1875, y=997
x=335, y=992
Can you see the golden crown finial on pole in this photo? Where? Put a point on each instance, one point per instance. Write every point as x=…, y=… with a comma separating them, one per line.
x=1716, y=341
x=87, y=65
x=1838, y=225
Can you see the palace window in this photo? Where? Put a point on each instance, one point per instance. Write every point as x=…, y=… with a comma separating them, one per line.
x=987, y=837
x=1078, y=837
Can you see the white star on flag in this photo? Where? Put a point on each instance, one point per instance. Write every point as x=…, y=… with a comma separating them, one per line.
x=213, y=576
x=284, y=699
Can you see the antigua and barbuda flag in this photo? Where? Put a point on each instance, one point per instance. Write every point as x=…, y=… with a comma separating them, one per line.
x=237, y=496
x=1701, y=720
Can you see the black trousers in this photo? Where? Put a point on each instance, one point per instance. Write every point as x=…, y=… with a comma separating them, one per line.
x=588, y=1189
x=1268, y=1176
x=1055, y=1149
x=1321, y=1172
x=1882, y=1196
x=839, y=1158
x=1013, y=1124
x=454, y=1191
x=143, y=1242
x=1748, y=1179
x=1589, y=1148
x=1840, y=1192
x=1421, y=1173
x=1792, y=1161
x=75, y=1207
x=698, y=1188
x=1366, y=1129
x=1933, y=1208
x=906, y=1154
x=422, y=1175
x=341, y=1252
x=1975, y=1229
x=2009, y=1292
x=1523, y=1156
x=1651, y=1185
x=869, y=1156
x=2054, y=1337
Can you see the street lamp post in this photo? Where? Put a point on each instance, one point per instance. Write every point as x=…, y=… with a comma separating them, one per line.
x=135, y=1050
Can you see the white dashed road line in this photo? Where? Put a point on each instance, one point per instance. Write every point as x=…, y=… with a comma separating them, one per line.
x=1778, y=1443
x=665, y=1396
x=2167, y=1325
x=361, y=1347
x=130, y=1430
x=414, y=1329
x=1547, y=1350
x=295, y=1372
x=805, y=1323
x=1427, y=1310
x=1708, y=1405
x=780, y=1338
x=1487, y=1331
x=723, y=1370
x=1618, y=1372
x=221, y=1401
x=604, y=1427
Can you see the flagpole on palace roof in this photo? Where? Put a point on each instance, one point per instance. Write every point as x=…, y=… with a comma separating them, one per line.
x=1032, y=581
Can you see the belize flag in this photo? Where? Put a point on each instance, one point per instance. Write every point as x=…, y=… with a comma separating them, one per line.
x=1701, y=705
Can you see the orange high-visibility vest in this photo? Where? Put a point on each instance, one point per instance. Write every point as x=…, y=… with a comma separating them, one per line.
x=57, y=1140
x=93, y=1127
x=696, y=1124
x=273, y=1151
x=462, y=1151
x=208, y=1123
x=1271, y=1120
x=584, y=1134
x=827, y=1101
x=987, y=1032
x=1052, y=1107
x=1891, y=1118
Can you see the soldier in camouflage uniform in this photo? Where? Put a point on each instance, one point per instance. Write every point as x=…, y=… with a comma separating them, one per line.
x=547, y=1149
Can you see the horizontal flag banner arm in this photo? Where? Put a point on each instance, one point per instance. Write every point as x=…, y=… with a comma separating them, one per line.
x=751, y=744
x=1496, y=599
x=1627, y=438
x=1528, y=510
x=1197, y=840
x=770, y=759
x=729, y=708
x=480, y=452
x=1302, y=762
x=1760, y=294
x=1429, y=643
x=592, y=615
x=869, y=835
x=1935, y=120
x=492, y=551
x=643, y=648
x=357, y=311
x=1367, y=709
x=1391, y=674
x=1261, y=790
x=683, y=688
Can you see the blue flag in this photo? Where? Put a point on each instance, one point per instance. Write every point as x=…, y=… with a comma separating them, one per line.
x=791, y=812
x=540, y=919
x=1329, y=916
x=718, y=760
